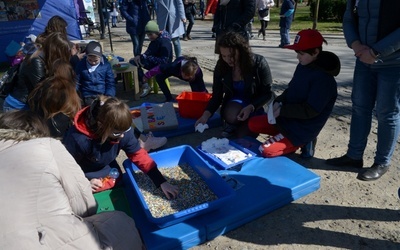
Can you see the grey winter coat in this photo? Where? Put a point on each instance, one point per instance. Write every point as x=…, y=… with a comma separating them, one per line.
x=169, y=16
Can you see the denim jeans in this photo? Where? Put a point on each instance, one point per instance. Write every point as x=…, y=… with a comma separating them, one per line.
x=285, y=38
x=379, y=88
x=188, y=28
x=177, y=46
x=137, y=41
x=114, y=20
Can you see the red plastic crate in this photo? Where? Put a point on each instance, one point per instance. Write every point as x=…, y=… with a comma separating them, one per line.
x=192, y=104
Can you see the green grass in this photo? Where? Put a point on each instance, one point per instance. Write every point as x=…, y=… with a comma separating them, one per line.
x=301, y=21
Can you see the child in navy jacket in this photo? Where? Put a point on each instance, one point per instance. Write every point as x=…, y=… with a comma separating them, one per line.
x=159, y=52
x=302, y=110
x=185, y=68
x=94, y=74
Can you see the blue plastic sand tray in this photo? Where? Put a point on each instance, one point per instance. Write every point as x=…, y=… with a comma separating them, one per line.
x=178, y=156
x=262, y=185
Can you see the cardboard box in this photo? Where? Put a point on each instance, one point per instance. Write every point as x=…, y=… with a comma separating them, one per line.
x=158, y=117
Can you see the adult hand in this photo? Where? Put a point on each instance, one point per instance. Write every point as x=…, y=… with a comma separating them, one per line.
x=170, y=191
x=203, y=119
x=184, y=20
x=358, y=47
x=136, y=59
x=145, y=79
x=365, y=56
x=96, y=184
x=80, y=55
x=245, y=112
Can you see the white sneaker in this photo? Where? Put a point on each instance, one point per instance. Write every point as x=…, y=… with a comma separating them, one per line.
x=152, y=142
x=146, y=91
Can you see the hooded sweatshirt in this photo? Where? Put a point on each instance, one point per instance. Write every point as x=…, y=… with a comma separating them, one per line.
x=309, y=99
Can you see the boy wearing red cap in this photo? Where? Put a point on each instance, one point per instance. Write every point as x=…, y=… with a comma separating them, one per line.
x=297, y=116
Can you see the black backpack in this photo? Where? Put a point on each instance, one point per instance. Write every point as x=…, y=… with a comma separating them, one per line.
x=9, y=80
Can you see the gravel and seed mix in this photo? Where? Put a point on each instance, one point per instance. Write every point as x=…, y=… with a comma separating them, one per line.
x=193, y=190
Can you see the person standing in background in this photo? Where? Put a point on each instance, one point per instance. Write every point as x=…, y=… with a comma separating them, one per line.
x=263, y=10
x=285, y=22
x=371, y=30
x=114, y=13
x=136, y=15
x=233, y=15
x=201, y=8
x=103, y=10
x=190, y=12
x=171, y=17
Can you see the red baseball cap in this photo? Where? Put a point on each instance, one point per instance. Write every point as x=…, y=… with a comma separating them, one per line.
x=306, y=39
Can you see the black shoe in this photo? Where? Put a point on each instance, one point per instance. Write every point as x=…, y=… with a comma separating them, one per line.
x=373, y=173
x=308, y=150
x=345, y=161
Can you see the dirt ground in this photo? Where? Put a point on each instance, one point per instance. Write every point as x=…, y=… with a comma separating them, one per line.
x=344, y=213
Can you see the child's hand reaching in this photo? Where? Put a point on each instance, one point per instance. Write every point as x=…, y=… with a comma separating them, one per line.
x=170, y=191
x=96, y=184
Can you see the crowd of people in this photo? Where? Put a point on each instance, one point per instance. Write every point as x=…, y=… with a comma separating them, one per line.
x=63, y=113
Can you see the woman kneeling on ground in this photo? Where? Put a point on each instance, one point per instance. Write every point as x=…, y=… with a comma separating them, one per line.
x=241, y=85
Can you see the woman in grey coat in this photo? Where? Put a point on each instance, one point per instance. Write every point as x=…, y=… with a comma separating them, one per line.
x=171, y=17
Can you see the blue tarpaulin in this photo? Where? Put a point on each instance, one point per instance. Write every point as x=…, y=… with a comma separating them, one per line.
x=18, y=19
